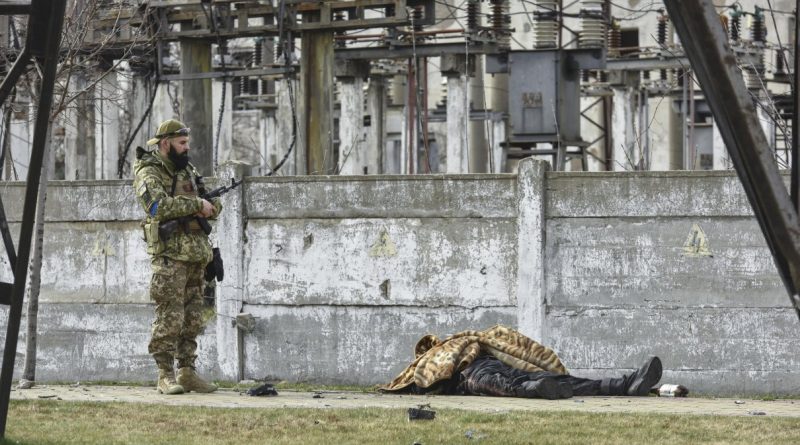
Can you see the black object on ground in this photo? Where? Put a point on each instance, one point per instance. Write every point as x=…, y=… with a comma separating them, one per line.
x=421, y=413
x=264, y=390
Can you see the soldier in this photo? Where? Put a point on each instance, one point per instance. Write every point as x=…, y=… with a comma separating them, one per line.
x=168, y=188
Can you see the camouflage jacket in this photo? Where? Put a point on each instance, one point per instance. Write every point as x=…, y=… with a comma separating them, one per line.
x=153, y=183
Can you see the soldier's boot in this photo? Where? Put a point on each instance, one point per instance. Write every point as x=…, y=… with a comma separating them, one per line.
x=636, y=384
x=190, y=381
x=167, y=383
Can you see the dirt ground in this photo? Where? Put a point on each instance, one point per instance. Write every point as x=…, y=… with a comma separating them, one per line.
x=227, y=398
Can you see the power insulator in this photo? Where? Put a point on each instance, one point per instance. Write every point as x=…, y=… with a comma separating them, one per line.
x=257, y=53
x=338, y=16
x=417, y=17
x=593, y=30
x=614, y=39
x=473, y=10
x=758, y=32
x=661, y=30
x=546, y=24
x=736, y=25
x=500, y=21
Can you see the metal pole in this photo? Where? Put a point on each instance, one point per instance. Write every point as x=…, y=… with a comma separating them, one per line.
x=50, y=15
x=795, y=184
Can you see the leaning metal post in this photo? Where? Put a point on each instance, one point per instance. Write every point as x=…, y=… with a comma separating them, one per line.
x=706, y=44
x=44, y=37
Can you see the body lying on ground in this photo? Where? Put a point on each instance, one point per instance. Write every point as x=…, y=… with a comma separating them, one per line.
x=502, y=362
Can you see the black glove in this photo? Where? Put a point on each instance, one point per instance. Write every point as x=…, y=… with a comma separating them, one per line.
x=218, y=267
x=215, y=267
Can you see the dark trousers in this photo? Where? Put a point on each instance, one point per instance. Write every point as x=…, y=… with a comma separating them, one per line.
x=489, y=376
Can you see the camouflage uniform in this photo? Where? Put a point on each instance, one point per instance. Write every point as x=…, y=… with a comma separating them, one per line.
x=179, y=263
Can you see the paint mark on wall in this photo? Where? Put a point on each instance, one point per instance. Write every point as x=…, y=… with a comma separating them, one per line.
x=102, y=247
x=386, y=288
x=383, y=246
x=696, y=244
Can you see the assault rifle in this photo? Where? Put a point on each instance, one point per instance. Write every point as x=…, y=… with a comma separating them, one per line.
x=167, y=228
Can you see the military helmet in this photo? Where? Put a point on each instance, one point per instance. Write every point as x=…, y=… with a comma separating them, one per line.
x=169, y=128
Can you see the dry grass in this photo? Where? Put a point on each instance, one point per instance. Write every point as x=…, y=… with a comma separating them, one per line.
x=58, y=422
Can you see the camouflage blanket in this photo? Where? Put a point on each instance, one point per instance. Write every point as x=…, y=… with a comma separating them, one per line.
x=438, y=360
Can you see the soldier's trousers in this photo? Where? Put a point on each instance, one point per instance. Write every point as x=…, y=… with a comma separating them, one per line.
x=177, y=289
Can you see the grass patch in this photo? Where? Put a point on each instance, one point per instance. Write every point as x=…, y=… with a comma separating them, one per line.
x=58, y=422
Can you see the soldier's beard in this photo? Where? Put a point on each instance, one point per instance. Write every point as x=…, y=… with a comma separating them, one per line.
x=180, y=160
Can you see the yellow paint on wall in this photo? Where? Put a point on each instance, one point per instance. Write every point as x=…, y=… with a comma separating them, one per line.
x=383, y=246
x=696, y=244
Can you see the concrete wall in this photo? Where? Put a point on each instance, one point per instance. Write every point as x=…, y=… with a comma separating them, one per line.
x=344, y=274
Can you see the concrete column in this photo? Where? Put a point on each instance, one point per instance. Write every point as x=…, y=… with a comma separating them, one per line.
x=498, y=136
x=722, y=161
x=626, y=153
x=316, y=72
x=457, y=113
x=79, y=122
x=268, y=147
x=108, y=139
x=223, y=151
x=498, y=102
x=675, y=126
x=229, y=232
x=138, y=99
x=196, y=110
x=376, y=132
x=352, y=150
x=478, y=152
x=531, y=298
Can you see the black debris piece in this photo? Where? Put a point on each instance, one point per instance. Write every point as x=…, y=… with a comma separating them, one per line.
x=421, y=413
x=264, y=390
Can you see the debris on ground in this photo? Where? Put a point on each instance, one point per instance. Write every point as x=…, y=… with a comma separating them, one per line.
x=421, y=413
x=264, y=390
x=672, y=390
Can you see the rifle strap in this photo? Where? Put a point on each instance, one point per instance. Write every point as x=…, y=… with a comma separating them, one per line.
x=174, y=183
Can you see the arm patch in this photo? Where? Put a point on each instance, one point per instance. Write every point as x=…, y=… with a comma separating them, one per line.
x=145, y=196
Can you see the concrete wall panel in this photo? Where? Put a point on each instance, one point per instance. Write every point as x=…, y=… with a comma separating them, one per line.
x=674, y=261
x=86, y=342
x=424, y=196
x=645, y=194
x=704, y=343
x=348, y=344
x=95, y=262
x=427, y=262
